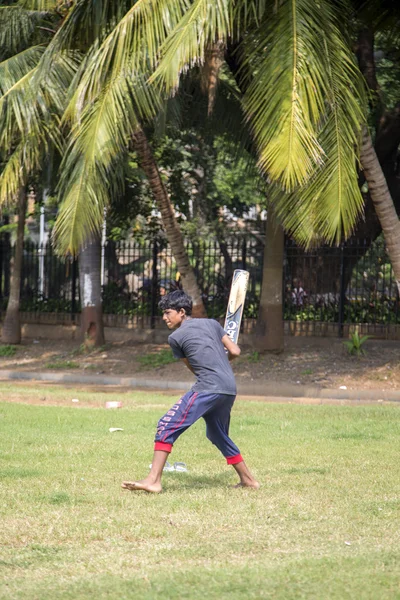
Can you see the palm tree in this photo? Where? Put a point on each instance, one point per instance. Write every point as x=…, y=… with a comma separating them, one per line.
x=106, y=120
x=28, y=124
x=304, y=106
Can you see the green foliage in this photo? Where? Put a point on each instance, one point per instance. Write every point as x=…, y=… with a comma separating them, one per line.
x=47, y=305
x=62, y=364
x=157, y=359
x=203, y=173
x=254, y=357
x=387, y=49
x=378, y=310
x=7, y=350
x=374, y=271
x=355, y=344
x=8, y=228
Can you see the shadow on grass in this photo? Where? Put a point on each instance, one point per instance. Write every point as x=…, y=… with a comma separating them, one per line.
x=18, y=473
x=62, y=498
x=33, y=555
x=189, y=480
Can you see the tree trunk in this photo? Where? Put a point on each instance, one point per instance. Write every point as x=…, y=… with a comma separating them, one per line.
x=7, y=254
x=387, y=137
x=383, y=202
x=172, y=230
x=269, y=327
x=92, y=330
x=11, y=333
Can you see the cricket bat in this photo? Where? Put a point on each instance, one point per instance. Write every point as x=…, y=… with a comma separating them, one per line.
x=236, y=300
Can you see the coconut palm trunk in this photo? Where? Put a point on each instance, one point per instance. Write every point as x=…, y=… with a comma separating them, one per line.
x=11, y=333
x=172, y=230
x=269, y=327
x=92, y=330
x=382, y=201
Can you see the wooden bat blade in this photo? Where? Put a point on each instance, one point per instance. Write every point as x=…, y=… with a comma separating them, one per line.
x=236, y=301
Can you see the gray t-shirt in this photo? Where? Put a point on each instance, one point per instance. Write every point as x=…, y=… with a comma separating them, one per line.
x=199, y=340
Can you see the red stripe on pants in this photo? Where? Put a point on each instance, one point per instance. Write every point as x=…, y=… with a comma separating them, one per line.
x=234, y=460
x=163, y=446
x=183, y=418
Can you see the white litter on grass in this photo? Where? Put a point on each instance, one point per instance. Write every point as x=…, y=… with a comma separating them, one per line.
x=112, y=429
x=343, y=387
x=113, y=404
x=179, y=467
x=348, y=543
x=75, y=400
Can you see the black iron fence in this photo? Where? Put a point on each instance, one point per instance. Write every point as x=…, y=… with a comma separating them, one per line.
x=350, y=284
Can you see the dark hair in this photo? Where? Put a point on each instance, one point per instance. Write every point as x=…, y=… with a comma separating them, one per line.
x=176, y=300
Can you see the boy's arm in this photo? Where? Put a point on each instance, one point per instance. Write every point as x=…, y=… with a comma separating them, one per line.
x=187, y=363
x=233, y=349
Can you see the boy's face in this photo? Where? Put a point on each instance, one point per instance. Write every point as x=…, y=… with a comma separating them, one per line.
x=173, y=318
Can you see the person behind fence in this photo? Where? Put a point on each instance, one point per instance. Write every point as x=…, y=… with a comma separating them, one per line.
x=206, y=349
x=299, y=295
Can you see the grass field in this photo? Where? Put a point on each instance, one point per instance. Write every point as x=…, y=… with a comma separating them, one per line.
x=325, y=524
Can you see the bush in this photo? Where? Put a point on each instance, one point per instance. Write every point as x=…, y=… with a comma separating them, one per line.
x=7, y=350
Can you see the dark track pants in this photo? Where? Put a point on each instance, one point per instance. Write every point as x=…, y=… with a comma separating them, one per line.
x=215, y=410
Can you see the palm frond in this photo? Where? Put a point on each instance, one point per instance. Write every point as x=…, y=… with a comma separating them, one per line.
x=202, y=24
x=26, y=107
x=329, y=207
x=250, y=13
x=89, y=178
x=24, y=160
x=126, y=43
x=17, y=28
x=89, y=21
x=55, y=87
x=285, y=99
x=340, y=199
x=17, y=66
x=18, y=110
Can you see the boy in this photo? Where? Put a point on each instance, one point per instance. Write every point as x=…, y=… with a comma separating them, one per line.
x=206, y=349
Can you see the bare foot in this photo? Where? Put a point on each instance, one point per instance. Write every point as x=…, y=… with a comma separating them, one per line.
x=145, y=485
x=248, y=484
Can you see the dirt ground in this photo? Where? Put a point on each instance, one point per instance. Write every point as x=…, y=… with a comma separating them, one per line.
x=308, y=361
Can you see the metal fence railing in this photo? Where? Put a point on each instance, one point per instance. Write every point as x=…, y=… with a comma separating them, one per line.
x=353, y=283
